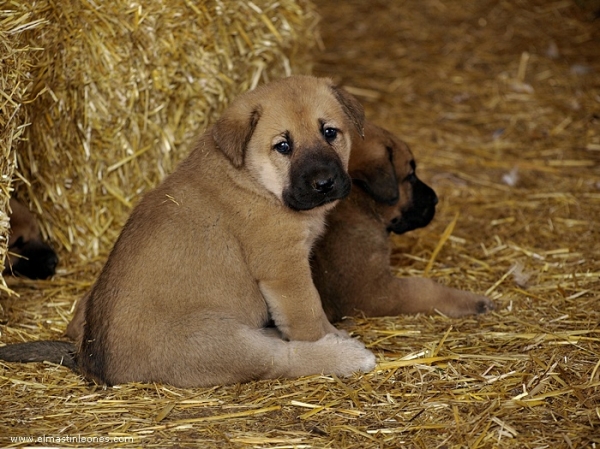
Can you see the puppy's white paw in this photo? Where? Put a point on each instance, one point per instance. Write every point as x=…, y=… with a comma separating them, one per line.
x=331, y=329
x=342, y=333
x=348, y=355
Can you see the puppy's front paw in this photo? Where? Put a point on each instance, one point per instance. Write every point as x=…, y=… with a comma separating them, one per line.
x=349, y=355
x=312, y=331
x=339, y=332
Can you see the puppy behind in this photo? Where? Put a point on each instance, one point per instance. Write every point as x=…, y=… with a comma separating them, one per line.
x=220, y=250
x=28, y=255
x=351, y=262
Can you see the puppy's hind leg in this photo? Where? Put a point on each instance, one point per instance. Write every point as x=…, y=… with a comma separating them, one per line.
x=332, y=354
x=241, y=354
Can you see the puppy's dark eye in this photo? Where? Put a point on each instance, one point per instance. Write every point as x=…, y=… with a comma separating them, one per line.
x=283, y=147
x=330, y=134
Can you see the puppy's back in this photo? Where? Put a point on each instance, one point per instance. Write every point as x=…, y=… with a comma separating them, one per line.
x=170, y=267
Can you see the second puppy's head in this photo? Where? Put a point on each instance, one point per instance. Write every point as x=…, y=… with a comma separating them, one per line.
x=383, y=166
x=294, y=136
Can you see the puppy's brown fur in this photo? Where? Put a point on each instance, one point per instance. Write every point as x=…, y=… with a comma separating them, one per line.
x=220, y=249
x=351, y=262
x=28, y=254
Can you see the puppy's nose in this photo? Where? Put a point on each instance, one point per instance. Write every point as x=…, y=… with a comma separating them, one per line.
x=323, y=185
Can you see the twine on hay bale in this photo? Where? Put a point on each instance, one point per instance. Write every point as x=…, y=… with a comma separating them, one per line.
x=119, y=91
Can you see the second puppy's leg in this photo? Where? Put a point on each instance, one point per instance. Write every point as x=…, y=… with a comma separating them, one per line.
x=388, y=295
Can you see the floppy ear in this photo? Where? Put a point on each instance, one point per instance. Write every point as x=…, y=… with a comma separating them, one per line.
x=352, y=107
x=379, y=181
x=233, y=131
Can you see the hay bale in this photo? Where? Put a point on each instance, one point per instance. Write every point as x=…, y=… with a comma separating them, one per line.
x=15, y=65
x=121, y=88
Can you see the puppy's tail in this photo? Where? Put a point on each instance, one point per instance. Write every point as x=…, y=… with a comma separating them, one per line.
x=59, y=352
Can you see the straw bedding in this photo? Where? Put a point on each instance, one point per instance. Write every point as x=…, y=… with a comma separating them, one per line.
x=501, y=104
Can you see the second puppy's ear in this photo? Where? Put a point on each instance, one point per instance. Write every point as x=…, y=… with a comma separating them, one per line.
x=233, y=131
x=352, y=108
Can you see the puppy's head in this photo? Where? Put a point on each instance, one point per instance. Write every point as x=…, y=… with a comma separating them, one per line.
x=33, y=259
x=28, y=255
x=294, y=137
x=383, y=166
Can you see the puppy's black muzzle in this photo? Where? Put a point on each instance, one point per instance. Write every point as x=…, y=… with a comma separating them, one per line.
x=316, y=179
x=419, y=213
x=37, y=261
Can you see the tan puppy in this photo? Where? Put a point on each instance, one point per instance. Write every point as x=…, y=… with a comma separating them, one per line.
x=351, y=262
x=221, y=249
x=28, y=254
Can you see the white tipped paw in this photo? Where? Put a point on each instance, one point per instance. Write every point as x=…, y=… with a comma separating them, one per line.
x=331, y=329
x=349, y=355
